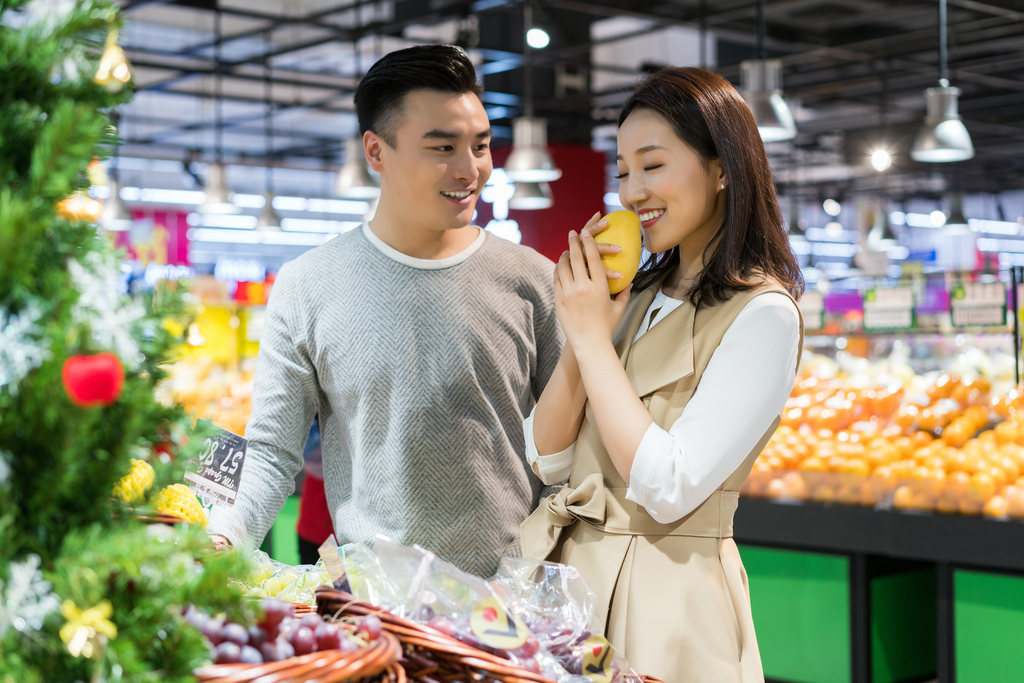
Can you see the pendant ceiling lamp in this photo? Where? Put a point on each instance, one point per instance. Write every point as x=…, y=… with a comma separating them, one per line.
x=761, y=86
x=881, y=236
x=268, y=219
x=218, y=196
x=943, y=137
x=354, y=179
x=956, y=224
x=115, y=217
x=531, y=197
x=530, y=161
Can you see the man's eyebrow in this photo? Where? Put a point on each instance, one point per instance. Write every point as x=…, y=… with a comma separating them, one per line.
x=642, y=150
x=440, y=134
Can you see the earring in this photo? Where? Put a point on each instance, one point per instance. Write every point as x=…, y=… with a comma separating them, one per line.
x=723, y=186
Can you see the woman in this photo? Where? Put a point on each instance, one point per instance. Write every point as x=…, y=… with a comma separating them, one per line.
x=662, y=400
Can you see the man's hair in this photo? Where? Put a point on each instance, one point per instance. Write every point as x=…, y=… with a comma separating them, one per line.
x=381, y=93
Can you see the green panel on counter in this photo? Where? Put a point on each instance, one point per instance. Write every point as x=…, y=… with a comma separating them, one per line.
x=988, y=619
x=903, y=633
x=801, y=607
x=285, y=544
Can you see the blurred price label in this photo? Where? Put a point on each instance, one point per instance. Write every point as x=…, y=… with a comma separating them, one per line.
x=977, y=303
x=496, y=626
x=889, y=309
x=597, y=659
x=812, y=306
x=218, y=470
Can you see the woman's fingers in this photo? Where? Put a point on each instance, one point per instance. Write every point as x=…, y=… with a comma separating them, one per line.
x=598, y=227
x=612, y=275
x=593, y=255
x=607, y=249
x=563, y=272
x=577, y=258
x=593, y=220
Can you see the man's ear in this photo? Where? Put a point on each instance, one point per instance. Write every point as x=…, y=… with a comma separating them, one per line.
x=373, y=147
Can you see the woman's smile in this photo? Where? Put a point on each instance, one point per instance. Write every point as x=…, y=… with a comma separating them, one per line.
x=648, y=217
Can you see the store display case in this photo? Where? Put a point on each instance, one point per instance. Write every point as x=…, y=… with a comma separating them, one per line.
x=881, y=527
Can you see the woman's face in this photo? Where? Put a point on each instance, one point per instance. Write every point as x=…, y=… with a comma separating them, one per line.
x=679, y=201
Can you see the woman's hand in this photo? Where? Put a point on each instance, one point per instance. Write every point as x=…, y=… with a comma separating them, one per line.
x=587, y=312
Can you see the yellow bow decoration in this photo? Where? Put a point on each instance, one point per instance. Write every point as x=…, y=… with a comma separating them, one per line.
x=83, y=629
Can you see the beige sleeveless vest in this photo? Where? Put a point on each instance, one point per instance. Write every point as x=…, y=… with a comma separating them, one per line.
x=673, y=597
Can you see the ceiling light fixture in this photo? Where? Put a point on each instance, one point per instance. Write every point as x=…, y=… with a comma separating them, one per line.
x=530, y=161
x=218, y=196
x=354, y=179
x=761, y=85
x=881, y=160
x=537, y=38
x=880, y=236
x=943, y=137
x=956, y=224
x=268, y=219
x=115, y=217
x=832, y=207
x=531, y=197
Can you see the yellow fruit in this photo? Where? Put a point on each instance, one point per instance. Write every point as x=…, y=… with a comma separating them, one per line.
x=624, y=230
x=133, y=486
x=178, y=499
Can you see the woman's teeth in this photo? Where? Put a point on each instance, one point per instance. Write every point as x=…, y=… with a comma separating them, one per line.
x=648, y=215
x=457, y=195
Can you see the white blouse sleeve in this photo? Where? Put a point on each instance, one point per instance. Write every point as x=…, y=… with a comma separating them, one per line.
x=551, y=468
x=743, y=388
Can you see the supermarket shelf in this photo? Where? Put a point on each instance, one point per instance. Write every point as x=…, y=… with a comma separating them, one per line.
x=912, y=332
x=947, y=539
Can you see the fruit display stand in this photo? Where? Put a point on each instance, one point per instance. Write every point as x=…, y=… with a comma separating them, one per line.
x=858, y=573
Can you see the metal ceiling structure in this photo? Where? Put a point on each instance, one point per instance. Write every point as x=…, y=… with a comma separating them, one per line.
x=854, y=73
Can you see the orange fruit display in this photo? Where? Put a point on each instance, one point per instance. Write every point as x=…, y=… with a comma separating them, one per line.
x=947, y=445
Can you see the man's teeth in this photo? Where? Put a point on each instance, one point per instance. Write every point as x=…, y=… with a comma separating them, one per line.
x=648, y=215
x=457, y=195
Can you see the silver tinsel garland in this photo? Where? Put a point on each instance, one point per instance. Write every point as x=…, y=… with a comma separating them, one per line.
x=22, y=348
x=25, y=599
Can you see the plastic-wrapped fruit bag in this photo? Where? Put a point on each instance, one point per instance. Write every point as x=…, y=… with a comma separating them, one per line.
x=303, y=586
x=270, y=578
x=463, y=606
x=368, y=580
x=559, y=608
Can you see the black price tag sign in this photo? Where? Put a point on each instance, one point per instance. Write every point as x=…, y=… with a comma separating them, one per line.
x=219, y=467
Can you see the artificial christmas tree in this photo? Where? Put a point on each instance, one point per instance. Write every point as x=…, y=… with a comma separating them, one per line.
x=87, y=592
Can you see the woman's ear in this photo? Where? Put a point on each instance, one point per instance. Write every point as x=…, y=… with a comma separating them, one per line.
x=374, y=149
x=717, y=173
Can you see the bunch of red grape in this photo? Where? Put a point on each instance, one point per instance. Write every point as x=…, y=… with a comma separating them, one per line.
x=459, y=628
x=278, y=634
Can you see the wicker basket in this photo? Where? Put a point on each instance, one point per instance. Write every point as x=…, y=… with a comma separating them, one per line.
x=428, y=653
x=378, y=661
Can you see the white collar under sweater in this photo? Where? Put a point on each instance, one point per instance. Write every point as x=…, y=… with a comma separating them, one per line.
x=422, y=263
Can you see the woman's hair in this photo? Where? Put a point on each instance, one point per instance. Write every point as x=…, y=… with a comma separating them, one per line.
x=381, y=94
x=707, y=113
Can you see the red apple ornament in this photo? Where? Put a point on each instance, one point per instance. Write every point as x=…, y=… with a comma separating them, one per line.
x=92, y=381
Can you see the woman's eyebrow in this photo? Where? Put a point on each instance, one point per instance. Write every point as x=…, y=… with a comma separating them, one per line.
x=642, y=150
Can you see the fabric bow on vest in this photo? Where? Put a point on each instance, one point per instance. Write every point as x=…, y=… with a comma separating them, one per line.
x=586, y=502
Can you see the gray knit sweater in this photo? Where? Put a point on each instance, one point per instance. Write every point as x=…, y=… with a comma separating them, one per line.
x=422, y=373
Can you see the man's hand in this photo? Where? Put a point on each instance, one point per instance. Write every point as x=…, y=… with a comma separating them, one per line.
x=219, y=542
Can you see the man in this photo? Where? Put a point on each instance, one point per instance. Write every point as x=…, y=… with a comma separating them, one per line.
x=420, y=340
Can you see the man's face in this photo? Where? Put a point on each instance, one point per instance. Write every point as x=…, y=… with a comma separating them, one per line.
x=440, y=162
